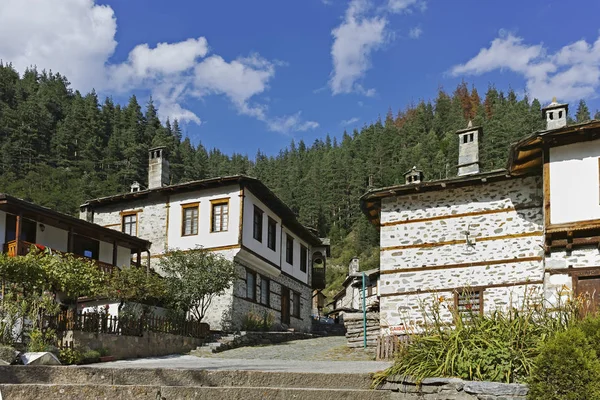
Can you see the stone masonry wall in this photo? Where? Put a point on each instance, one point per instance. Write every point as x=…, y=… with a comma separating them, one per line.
x=425, y=256
x=242, y=306
x=151, y=344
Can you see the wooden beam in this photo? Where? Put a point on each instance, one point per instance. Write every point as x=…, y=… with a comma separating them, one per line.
x=546, y=180
x=18, y=229
x=114, y=253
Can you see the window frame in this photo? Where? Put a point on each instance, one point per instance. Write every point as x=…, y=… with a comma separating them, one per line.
x=271, y=223
x=129, y=214
x=296, y=310
x=253, y=274
x=303, y=258
x=289, y=249
x=475, y=293
x=267, y=302
x=184, y=209
x=257, y=224
x=218, y=203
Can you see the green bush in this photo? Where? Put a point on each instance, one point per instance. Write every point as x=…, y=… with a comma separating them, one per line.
x=41, y=340
x=91, y=356
x=567, y=368
x=255, y=322
x=70, y=356
x=8, y=354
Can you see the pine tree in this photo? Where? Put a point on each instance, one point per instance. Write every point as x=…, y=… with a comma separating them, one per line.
x=583, y=113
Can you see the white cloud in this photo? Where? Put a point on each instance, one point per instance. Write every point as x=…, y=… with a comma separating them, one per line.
x=573, y=72
x=406, y=6
x=415, y=32
x=354, y=41
x=77, y=38
x=350, y=121
x=73, y=37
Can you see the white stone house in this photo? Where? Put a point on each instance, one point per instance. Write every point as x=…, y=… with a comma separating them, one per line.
x=279, y=261
x=350, y=298
x=480, y=241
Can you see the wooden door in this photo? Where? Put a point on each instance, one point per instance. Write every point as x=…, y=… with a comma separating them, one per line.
x=589, y=288
x=285, y=305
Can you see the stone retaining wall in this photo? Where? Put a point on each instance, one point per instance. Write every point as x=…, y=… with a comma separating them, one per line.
x=452, y=389
x=353, y=322
x=151, y=344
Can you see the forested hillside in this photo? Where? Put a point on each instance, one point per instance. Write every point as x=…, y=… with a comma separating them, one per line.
x=59, y=147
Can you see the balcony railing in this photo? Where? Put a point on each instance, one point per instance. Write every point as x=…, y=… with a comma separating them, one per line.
x=11, y=249
x=318, y=278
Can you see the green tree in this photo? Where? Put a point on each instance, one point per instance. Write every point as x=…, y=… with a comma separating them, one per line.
x=583, y=113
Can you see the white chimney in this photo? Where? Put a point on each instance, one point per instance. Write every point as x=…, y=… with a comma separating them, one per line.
x=158, y=168
x=354, y=266
x=468, y=149
x=135, y=187
x=413, y=176
x=555, y=114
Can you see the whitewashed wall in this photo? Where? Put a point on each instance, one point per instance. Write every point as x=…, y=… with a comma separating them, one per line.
x=52, y=237
x=294, y=270
x=574, y=182
x=248, y=229
x=502, y=235
x=205, y=237
x=123, y=257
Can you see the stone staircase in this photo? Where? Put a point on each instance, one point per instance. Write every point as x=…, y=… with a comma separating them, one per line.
x=70, y=383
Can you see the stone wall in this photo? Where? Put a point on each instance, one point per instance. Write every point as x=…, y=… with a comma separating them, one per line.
x=452, y=389
x=425, y=254
x=242, y=306
x=151, y=344
x=353, y=322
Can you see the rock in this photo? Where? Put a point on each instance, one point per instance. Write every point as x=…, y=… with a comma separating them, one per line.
x=496, y=389
x=39, y=358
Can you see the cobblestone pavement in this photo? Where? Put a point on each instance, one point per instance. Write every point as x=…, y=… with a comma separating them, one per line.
x=331, y=348
x=324, y=355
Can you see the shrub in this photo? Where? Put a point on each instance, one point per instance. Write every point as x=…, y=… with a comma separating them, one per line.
x=41, y=340
x=91, y=356
x=567, y=368
x=70, y=356
x=8, y=354
x=254, y=322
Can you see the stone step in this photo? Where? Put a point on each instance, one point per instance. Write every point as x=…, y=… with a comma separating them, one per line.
x=61, y=375
x=148, y=392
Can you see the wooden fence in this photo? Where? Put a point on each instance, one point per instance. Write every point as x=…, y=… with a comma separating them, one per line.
x=388, y=346
x=130, y=325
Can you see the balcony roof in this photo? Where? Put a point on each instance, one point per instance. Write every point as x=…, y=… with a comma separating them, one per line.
x=59, y=220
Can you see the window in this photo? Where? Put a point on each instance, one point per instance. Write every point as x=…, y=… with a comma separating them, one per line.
x=189, y=223
x=303, y=258
x=258, y=223
x=469, y=301
x=471, y=137
x=551, y=115
x=560, y=114
x=265, y=291
x=296, y=305
x=250, y=285
x=86, y=247
x=271, y=234
x=220, y=215
x=129, y=224
x=465, y=138
x=289, y=249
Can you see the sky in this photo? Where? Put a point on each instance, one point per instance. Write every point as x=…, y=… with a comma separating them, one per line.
x=246, y=75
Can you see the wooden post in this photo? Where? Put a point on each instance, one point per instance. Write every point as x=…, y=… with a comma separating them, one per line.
x=70, y=241
x=139, y=258
x=114, y=254
x=18, y=229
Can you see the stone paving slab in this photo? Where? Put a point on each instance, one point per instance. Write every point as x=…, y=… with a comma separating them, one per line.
x=229, y=364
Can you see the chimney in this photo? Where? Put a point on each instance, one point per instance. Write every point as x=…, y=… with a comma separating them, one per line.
x=158, y=168
x=413, y=176
x=555, y=114
x=135, y=187
x=468, y=149
x=354, y=265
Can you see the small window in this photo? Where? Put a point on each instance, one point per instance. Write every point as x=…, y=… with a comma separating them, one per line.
x=272, y=234
x=289, y=249
x=129, y=224
x=551, y=115
x=220, y=215
x=560, y=114
x=265, y=291
x=465, y=138
x=471, y=137
x=296, y=305
x=469, y=301
x=250, y=285
x=258, y=224
x=189, y=223
x=303, y=258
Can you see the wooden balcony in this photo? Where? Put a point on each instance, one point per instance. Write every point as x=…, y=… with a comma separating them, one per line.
x=24, y=248
x=318, y=278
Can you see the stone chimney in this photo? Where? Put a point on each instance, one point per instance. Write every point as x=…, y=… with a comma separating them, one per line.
x=468, y=149
x=413, y=176
x=135, y=187
x=158, y=168
x=354, y=265
x=555, y=114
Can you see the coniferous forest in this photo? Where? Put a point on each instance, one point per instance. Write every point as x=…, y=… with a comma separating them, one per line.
x=59, y=147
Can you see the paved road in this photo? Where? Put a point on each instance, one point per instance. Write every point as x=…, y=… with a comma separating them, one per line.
x=327, y=355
